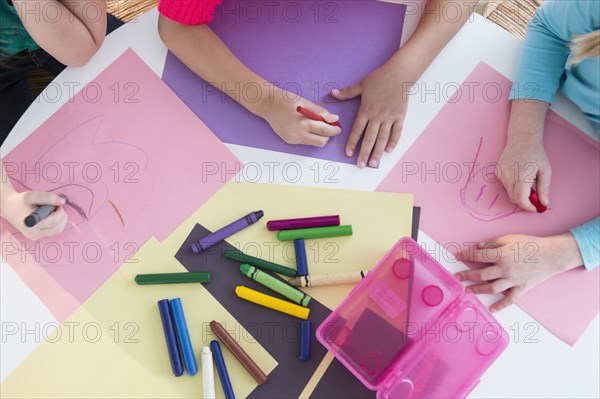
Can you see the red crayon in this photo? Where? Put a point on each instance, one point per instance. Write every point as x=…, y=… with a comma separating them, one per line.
x=534, y=199
x=311, y=115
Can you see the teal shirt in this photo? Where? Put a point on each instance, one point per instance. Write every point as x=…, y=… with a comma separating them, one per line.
x=544, y=68
x=14, y=38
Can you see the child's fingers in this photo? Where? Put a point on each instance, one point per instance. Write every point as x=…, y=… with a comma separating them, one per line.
x=358, y=128
x=347, y=93
x=477, y=256
x=512, y=296
x=368, y=143
x=521, y=196
x=395, y=136
x=495, y=287
x=380, y=144
x=543, y=185
x=55, y=219
x=485, y=274
x=37, y=198
x=322, y=112
x=314, y=139
x=323, y=129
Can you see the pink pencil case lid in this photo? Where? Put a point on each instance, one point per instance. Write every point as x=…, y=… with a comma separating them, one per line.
x=409, y=330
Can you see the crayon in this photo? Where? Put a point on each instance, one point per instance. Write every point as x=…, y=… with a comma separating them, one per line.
x=260, y=263
x=271, y=302
x=303, y=223
x=305, y=337
x=320, y=280
x=173, y=278
x=208, y=374
x=315, y=117
x=317, y=232
x=169, y=330
x=535, y=200
x=239, y=353
x=301, y=261
x=224, y=232
x=276, y=285
x=189, y=359
x=222, y=369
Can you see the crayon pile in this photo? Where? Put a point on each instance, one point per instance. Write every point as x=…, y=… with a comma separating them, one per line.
x=263, y=272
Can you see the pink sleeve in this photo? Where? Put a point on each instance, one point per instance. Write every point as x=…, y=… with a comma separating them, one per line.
x=189, y=12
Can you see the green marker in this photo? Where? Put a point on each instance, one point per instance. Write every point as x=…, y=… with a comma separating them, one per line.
x=276, y=285
x=173, y=278
x=260, y=263
x=317, y=232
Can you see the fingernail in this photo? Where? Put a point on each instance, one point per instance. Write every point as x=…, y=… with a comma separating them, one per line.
x=335, y=91
x=389, y=149
x=458, y=277
x=349, y=153
x=362, y=164
x=374, y=163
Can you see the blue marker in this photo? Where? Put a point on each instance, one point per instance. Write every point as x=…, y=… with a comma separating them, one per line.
x=184, y=337
x=301, y=262
x=222, y=369
x=169, y=329
x=305, y=336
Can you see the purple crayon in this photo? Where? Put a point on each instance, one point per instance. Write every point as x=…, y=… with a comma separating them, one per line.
x=221, y=234
x=303, y=223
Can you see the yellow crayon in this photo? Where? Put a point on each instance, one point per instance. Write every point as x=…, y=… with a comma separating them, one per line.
x=271, y=302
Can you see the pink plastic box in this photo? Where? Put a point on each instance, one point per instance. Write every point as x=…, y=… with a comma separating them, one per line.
x=409, y=330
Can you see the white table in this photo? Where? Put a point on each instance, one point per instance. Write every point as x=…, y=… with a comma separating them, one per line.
x=541, y=366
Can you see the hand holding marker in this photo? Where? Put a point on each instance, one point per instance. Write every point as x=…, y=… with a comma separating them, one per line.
x=41, y=213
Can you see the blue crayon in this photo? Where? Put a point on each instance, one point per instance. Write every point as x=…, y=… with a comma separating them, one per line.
x=301, y=263
x=222, y=369
x=305, y=336
x=170, y=337
x=184, y=337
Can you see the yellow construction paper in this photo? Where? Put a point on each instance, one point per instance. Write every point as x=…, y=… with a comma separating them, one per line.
x=378, y=221
x=130, y=358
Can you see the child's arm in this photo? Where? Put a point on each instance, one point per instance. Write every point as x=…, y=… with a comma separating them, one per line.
x=519, y=263
x=385, y=91
x=15, y=207
x=69, y=30
x=198, y=47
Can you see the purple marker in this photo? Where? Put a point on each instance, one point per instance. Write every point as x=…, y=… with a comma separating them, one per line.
x=303, y=223
x=221, y=234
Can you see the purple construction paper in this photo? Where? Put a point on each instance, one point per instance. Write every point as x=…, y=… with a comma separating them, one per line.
x=306, y=47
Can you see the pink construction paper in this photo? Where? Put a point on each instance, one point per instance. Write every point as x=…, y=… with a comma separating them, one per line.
x=465, y=204
x=134, y=159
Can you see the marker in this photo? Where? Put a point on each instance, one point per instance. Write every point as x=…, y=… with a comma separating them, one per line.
x=301, y=261
x=303, y=223
x=222, y=369
x=534, y=199
x=239, y=353
x=173, y=278
x=320, y=280
x=271, y=302
x=315, y=117
x=260, y=263
x=189, y=359
x=305, y=336
x=317, y=232
x=276, y=285
x=39, y=214
x=170, y=337
x=208, y=374
x=221, y=234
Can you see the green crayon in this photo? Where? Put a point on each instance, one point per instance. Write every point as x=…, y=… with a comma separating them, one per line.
x=260, y=263
x=276, y=285
x=173, y=278
x=317, y=232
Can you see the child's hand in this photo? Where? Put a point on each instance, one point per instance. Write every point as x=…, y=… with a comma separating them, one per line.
x=519, y=262
x=384, y=99
x=295, y=128
x=17, y=206
x=522, y=165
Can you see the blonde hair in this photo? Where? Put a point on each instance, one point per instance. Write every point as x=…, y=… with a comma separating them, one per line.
x=585, y=46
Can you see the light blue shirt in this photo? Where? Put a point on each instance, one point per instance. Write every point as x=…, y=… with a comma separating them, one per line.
x=544, y=68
